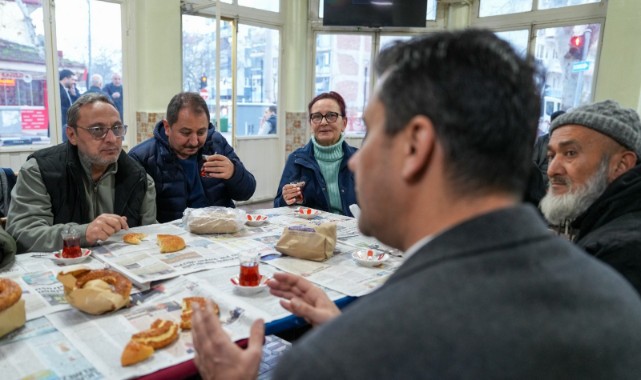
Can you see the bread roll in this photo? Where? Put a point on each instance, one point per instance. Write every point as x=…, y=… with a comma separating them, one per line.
x=12, y=307
x=170, y=243
x=187, y=310
x=133, y=238
x=161, y=334
x=10, y=293
x=135, y=352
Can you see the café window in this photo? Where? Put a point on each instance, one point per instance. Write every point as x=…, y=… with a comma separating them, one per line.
x=568, y=55
x=344, y=58
x=258, y=56
x=23, y=83
x=389, y=39
x=345, y=68
x=518, y=39
x=267, y=5
x=86, y=45
x=244, y=95
x=564, y=45
x=504, y=7
x=91, y=47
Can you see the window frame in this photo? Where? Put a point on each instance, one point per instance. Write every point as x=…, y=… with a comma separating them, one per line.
x=570, y=15
x=316, y=27
x=237, y=14
x=534, y=20
x=51, y=76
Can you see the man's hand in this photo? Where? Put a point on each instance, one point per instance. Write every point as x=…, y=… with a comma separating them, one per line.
x=218, y=166
x=104, y=226
x=302, y=298
x=217, y=357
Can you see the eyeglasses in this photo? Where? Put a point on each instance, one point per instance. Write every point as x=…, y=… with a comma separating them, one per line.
x=99, y=132
x=317, y=117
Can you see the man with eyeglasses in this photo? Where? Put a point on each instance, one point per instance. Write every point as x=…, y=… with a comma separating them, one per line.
x=317, y=175
x=192, y=163
x=87, y=183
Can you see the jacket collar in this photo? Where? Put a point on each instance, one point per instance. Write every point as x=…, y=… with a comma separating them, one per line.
x=621, y=197
x=483, y=234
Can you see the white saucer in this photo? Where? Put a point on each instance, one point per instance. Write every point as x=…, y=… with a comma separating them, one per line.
x=256, y=220
x=307, y=213
x=58, y=259
x=363, y=257
x=249, y=290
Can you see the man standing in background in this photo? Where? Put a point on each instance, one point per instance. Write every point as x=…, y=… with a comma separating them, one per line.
x=268, y=123
x=96, y=86
x=68, y=94
x=114, y=89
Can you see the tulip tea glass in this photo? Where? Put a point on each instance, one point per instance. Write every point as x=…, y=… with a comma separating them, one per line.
x=71, y=244
x=249, y=274
x=300, y=185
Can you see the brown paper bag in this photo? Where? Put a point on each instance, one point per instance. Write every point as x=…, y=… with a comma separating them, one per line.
x=96, y=297
x=12, y=317
x=310, y=242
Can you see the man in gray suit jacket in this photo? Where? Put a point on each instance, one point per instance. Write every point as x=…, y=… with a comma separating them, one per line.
x=486, y=292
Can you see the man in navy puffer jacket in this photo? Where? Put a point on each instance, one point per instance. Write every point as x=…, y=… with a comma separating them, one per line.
x=191, y=163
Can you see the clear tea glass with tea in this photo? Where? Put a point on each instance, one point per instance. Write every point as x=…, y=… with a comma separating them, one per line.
x=203, y=173
x=249, y=273
x=71, y=244
x=300, y=185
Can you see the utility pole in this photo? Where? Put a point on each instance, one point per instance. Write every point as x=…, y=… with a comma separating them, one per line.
x=89, y=73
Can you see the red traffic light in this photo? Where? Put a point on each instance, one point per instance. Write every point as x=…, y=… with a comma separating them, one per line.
x=577, y=41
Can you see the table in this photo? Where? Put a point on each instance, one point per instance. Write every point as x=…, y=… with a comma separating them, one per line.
x=59, y=340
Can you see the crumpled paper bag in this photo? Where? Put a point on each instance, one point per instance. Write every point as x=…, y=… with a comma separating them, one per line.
x=96, y=297
x=12, y=318
x=310, y=242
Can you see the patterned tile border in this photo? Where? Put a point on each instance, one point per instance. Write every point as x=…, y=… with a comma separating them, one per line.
x=145, y=121
x=297, y=131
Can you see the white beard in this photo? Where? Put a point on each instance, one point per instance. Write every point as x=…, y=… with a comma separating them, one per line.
x=558, y=209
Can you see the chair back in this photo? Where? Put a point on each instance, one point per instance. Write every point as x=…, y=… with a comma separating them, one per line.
x=7, y=181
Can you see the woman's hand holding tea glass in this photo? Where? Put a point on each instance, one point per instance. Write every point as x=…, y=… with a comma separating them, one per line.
x=293, y=192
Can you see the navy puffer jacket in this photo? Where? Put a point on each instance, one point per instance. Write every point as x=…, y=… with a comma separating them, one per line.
x=302, y=166
x=162, y=164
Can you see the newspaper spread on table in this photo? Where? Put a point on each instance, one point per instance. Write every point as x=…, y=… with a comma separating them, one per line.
x=41, y=291
x=59, y=341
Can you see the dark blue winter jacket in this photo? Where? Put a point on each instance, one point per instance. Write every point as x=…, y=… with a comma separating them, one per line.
x=301, y=165
x=162, y=164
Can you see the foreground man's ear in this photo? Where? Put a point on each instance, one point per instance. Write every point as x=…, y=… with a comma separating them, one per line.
x=420, y=140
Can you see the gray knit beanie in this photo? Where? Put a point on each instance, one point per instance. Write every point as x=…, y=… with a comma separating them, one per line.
x=607, y=117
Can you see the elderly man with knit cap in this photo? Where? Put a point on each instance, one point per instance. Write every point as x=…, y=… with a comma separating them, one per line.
x=594, y=195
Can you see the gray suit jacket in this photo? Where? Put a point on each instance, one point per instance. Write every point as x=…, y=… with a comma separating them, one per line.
x=496, y=297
